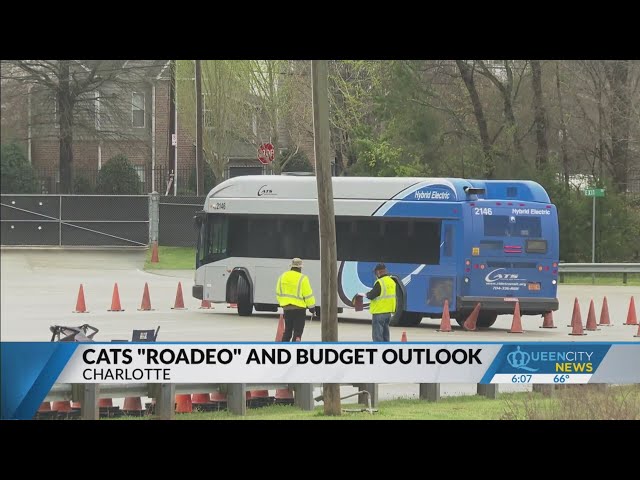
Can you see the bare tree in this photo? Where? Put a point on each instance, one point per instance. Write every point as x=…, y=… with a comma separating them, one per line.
x=617, y=72
x=563, y=130
x=89, y=98
x=542, y=153
x=467, y=73
x=226, y=107
x=509, y=91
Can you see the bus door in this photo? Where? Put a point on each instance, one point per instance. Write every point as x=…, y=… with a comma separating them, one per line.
x=441, y=282
x=213, y=253
x=509, y=254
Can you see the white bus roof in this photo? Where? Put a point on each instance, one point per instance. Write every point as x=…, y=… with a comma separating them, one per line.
x=304, y=187
x=297, y=195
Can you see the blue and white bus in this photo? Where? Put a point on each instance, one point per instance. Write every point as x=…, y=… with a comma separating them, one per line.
x=492, y=242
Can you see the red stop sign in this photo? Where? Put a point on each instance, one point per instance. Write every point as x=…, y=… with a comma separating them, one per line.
x=266, y=153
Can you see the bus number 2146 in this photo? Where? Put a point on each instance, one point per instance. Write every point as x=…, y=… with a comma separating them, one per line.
x=482, y=211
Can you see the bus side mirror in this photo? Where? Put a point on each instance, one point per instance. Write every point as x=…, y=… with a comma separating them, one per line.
x=474, y=191
x=199, y=218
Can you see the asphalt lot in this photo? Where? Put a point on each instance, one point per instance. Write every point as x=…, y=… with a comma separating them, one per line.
x=39, y=289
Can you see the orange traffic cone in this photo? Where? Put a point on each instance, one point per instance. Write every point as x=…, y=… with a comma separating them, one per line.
x=516, y=324
x=575, y=313
x=548, y=321
x=638, y=334
x=576, y=320
x=604, y=314
x=259, y=393
x=218, y=397
x=404, y=337
x=280, y=330
x=133, y=405
x=205, y=304
x=146, y=300
x=632, y=316
x=80, y=305
x=115, y=300
x=470, y=322
x=591, y=318
x=445, y=323
x=199, y=398
x=283, y=396
x=61, y=406
x=154, y=253
x=179, y=303
x=183, y=403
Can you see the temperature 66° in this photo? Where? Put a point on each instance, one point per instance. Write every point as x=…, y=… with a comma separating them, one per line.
x=560, y=378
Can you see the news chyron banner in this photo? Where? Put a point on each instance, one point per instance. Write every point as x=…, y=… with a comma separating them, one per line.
x=29, y=370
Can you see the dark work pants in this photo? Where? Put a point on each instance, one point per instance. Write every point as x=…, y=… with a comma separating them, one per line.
x=293, y=324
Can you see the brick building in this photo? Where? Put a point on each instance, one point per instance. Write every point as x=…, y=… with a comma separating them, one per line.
x=140, y=129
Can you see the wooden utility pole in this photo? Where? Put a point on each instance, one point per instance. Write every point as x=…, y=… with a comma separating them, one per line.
x=328, y=255
x=172, y=127
x=199, y=120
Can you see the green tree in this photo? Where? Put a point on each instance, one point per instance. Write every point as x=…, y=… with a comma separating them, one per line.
x=226, y=109
x=297, y=162
x=209, y=179
x=118, y=177
x=82, y=185
x=17, y=173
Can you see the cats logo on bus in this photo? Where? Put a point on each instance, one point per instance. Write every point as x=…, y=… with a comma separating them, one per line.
x=492, y=276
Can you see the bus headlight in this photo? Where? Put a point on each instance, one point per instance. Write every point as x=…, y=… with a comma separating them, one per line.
x=466, y=279
x=553, y=282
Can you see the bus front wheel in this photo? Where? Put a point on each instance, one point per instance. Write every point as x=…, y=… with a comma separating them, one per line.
x=243, y=290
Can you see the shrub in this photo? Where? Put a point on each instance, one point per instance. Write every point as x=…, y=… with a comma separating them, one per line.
x=118, y=177
x=18, y=175
x=209, y=180
x=82, y=185
x=299, y=162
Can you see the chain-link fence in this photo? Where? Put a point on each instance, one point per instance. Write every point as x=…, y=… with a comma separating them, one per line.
x=176, y=225
x=98, y=220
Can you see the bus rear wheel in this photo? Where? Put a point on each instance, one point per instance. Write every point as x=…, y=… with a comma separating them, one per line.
x=409, y=319
x=243, y=291
x=485, y=319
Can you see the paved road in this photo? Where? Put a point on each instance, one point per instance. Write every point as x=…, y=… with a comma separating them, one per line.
x=39, y=289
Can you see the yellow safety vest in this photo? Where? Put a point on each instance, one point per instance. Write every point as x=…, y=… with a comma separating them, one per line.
x=386, y=301
x=293, y=288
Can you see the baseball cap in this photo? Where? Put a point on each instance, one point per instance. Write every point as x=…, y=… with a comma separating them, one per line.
x=296, y=262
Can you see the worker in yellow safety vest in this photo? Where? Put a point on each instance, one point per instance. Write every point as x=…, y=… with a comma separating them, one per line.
x=294, y=294
x=383, y=303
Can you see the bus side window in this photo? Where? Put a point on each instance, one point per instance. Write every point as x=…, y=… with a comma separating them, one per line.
x=447, y=250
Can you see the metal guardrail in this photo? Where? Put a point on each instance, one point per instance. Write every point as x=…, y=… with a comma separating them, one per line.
x=599, y=267
x=594, y=268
